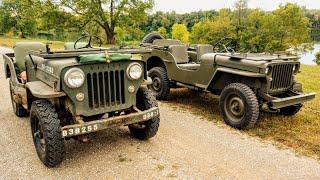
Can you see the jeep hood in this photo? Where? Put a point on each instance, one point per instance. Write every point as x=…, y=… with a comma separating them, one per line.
x=247, y=62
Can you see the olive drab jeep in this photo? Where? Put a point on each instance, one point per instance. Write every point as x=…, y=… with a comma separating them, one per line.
x=79, y=91
x=246, y=83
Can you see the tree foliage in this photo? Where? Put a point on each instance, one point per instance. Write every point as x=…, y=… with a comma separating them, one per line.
x=257, y=31
x=108, y=14
x=180, y=32
x=163, y=32
x=20, y=15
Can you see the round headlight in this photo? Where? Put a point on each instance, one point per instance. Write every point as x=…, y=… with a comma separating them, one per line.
x=134, y=71
x=74, y=78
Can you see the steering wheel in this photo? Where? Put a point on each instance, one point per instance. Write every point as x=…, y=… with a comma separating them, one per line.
x=227, y=43
x=89, y=45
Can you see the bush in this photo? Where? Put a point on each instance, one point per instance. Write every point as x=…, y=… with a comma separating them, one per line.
x=318, y=58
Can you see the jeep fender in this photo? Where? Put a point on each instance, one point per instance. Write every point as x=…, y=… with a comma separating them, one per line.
x=218, y=82
x=9, y=70
x=41, y=90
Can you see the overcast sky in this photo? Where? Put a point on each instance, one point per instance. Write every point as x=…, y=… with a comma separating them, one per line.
x=182, y=6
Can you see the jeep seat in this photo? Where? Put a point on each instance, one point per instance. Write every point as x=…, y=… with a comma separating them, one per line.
x=166, y=42
x=180, y=54
x=203, y=49
x=22, y=49
x=70, y=45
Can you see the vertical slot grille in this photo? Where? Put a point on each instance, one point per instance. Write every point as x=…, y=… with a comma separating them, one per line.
x=106, y=89
x=282, y=75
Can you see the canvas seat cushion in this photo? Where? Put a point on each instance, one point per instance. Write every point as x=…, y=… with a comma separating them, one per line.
x=180, y=53
x=203, y=49
x=22, y=49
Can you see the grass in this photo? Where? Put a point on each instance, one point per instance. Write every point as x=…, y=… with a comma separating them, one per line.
x=54, y=45
x=301, y=132
x=10, y=42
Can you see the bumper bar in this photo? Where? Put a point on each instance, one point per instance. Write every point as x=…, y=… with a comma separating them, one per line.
x=93, y=126
x=293, y=100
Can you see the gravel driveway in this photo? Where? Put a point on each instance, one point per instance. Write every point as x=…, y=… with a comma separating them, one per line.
x=186, y=147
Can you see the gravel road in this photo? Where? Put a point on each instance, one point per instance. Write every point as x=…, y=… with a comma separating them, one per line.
x=186, y=147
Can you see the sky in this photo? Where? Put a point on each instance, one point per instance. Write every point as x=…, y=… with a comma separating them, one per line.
x=183, y=6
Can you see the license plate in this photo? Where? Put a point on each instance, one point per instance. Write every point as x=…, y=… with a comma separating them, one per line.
x=80, y=130
x=150, y=115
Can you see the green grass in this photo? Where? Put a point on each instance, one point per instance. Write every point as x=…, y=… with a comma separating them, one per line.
x=10, y=42
x=301, y=132
x=54, y=45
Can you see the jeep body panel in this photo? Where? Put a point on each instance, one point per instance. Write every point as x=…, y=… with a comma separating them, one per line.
x=41, y=90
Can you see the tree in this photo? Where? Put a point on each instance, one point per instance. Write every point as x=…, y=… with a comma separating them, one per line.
x=292, y=27
x=163, y=32
x=180, y=32
x=211, y=31
x=22, y=14
x=109, y=14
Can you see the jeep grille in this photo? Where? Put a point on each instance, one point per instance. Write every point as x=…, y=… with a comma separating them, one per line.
x=282, y=76
x=106, y=89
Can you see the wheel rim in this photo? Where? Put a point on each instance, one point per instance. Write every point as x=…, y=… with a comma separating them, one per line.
x=156, y=85
x=38, y=136
x=234, y=108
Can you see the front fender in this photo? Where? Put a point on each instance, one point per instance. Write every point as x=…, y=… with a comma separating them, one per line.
x=239, y=72
x=43, y=91
x=244, y=75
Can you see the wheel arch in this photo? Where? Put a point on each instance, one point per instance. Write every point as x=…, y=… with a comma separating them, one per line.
x=155, y=61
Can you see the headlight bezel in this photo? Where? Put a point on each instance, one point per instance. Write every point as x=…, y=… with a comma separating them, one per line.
x=129, y=73
x=68, y=75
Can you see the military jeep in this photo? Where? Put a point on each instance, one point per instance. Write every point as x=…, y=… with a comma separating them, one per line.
x=79, y=91
x=246, y=83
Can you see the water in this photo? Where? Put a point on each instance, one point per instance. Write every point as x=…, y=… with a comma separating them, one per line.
x=309, y=57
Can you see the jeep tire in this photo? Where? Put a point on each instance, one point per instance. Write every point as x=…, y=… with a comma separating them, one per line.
x=290, y=110
x=160, y=86
x=147, y=129
x=18, y=109
x=239, y=106
x=46, y=133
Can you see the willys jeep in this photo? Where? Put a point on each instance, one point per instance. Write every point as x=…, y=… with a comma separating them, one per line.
x=246, y=83
x=75, y=92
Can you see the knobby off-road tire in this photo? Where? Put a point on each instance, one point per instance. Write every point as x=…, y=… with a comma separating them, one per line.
x=46, y=133
x=160, y=86
x=149, y=38
x=239, y=106
x=290, y=110
x=147, y=129
x=18, y=109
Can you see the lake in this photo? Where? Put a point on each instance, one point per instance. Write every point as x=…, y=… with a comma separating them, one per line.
x=309, y=57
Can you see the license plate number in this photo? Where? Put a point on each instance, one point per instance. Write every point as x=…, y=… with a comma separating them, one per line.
x=150, y=115
x=80, y=130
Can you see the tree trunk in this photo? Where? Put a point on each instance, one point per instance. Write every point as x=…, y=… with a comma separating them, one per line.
x=22, y=34
x=110, y=36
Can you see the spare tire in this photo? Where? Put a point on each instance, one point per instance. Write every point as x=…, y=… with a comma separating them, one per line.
x=149, y=38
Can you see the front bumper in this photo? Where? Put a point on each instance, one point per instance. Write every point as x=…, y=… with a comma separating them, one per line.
x=292, y=100
x=98, y=125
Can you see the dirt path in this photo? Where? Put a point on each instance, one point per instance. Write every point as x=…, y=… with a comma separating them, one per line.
x=186, y=147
